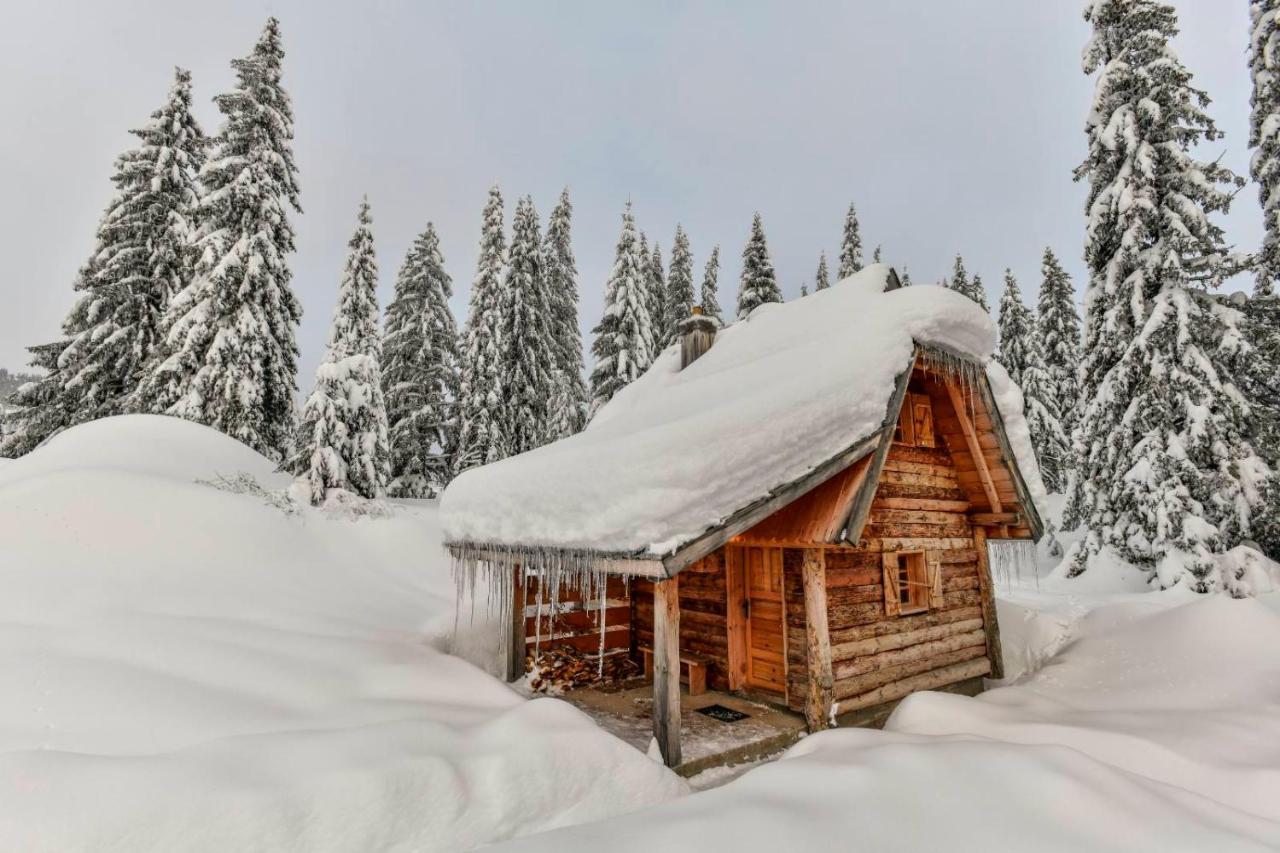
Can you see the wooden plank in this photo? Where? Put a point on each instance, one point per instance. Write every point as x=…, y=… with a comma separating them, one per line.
x=933, y=564
x=747, y=517
x=923, y=654
x=990, y=518
x=666, y=669
x=987, y=590
x=821, y=684
x=889, y=642
x=736, y=616
x=516, y=632
x=885, y=627
x=921, y=504
x=924, y=681
x=975, y=449
x=892, y=594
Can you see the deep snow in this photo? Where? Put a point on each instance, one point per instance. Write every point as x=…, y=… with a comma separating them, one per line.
x=186, y=668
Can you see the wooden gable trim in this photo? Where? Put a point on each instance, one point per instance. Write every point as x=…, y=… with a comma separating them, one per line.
x=1027, y=505
x=975, y=448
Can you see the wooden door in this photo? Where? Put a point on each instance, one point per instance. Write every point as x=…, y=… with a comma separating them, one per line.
x=766, y=646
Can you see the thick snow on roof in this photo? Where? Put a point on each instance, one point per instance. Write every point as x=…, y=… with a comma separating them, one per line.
x=677, y=452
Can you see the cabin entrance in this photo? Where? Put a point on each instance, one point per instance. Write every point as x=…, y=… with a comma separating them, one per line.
x=766, y=658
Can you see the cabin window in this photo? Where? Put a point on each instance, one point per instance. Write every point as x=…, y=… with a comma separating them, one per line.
x=915, y=422
x=913, y=582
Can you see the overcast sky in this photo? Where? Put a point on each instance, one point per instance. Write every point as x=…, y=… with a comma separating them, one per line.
x=954, y=126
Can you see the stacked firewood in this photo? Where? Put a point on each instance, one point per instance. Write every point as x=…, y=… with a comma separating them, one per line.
x=564, y=668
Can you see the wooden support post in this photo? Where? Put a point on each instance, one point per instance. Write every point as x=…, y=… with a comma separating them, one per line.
x=817, y=706
x=736, y=616
x=666, y=669
x=985, y=586
x=975, y=449
x=516, y=642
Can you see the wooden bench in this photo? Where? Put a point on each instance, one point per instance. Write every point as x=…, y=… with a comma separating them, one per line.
x=695, y=665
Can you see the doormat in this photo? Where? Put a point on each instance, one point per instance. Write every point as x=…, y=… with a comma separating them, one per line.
x=723, y=714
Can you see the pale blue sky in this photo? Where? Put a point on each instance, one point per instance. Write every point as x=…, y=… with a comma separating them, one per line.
x=953, y=125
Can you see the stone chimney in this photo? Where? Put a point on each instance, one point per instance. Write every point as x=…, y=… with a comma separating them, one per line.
x=697, y=334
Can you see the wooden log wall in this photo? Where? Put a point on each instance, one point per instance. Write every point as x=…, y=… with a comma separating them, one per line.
x=703, y=628
x=575, y=623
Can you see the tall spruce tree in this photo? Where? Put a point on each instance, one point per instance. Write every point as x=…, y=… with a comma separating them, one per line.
x=561, y=271
x=480, y=398
x=1017, y=329
x=527, y=348
x=657, y=285
x=758, y=283
x=822, y=280
x=420, y=373
x=343, y=438
x=623, y=344
x=679, y=287
x=1058, y=324
x=230, y=354
x=850, y=245
x=1264, y=135
x=710, y=297
x=970, y=287
x=142, y=257
x=1167, y=476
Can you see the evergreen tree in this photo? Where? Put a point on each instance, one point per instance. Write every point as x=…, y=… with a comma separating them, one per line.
x=420, y=373
x=141, y=259
x=1017, y=329
x=1264, y=135
x=804, y=290
x=656, y=281
x=343, y=437
x=561, y=271
x=623, y=344
x=1058, y=325
x=906, y=278
x=875, y=256
x=1167, y=476
x=231, y=358
x=850, y=245
x=679, y=287
x=480, y=398
x=822, y=280
x=527, y=348
x=710, y=277
x=972, y=288
x=758, y=283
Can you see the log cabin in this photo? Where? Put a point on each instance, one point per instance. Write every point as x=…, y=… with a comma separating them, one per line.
x=797, y=507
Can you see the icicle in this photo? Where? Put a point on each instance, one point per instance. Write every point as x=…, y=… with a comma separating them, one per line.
x=1008, y=558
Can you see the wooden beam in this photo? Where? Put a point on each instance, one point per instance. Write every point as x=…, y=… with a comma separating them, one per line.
x=666, y=669
x=736, y=616
x=516, y=644
x=751, y=515
x=989, y=622
x=993, y=519
x=975, y=449
x=861, y=506
x=817, y=706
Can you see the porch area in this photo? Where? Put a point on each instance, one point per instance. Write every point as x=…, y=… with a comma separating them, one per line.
x=717, y=729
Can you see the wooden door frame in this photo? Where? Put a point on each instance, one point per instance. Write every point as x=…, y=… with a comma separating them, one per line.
x=738, y=622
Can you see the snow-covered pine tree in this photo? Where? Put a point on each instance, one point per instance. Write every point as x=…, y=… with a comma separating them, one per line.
x=758, y=283
x=972, y=288
x=1264, y=135
x=679, y=287
x=822, y=280
x=623, y=344
x=1166, y=476
x=1017, y=329
x=875, y=256
x=140, y=260
x=527, y=348
x=850, y=245
x=710, y=299
x=1058, y=325
x=420, y=373
x=804, y=290
x=561, y=270
x=343, y=436
x=480, y=397
x=230, y=353
x=906, y=278
x=657, y=284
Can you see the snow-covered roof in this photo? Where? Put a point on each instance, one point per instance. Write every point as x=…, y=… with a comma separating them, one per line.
x=677, y=452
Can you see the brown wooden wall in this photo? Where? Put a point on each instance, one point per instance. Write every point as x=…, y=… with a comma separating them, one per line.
x=703, y=629
x=572, y=624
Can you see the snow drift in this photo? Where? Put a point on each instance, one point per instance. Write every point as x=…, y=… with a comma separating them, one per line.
x=677, y=451
x=188, y=666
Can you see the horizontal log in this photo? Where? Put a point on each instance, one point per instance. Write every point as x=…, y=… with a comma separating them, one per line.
x=929, y=468
x=922, y=653
x=921, y=492
x=919, y=543
x=849, y=687
x=852, y=615
x=853, y=577
x=915, y=516
x=958, y=555
x=844, y=595
x=910, y=453
x=920, y=504
x=938, y=481
x=906, y=623
x=924, y=681
x=955, y=529
x=903, y=639
x=995, y=517
x=613, y=639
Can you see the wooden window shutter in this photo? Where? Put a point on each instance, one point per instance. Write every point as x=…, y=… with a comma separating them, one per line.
x=934, y=562
x=922, y=420
x=892, y=596
x=906, y=433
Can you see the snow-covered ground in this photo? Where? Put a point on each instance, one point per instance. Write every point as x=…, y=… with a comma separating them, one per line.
x=191, y=668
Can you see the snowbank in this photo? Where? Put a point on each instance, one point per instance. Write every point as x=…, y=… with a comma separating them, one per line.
x=1157, y=727
x=188, y=667
x=676, y=452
